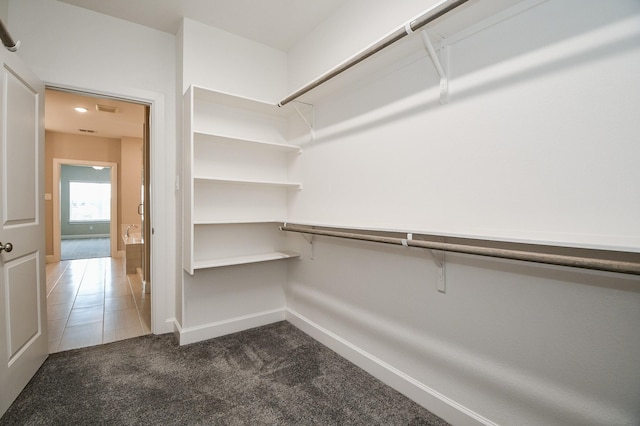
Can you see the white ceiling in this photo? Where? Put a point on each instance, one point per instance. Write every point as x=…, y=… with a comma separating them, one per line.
x=276, y=23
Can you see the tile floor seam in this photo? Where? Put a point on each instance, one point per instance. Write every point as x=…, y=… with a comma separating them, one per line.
x=104, y=269
x=135, y=303
x=57, y=281
x=66, y=320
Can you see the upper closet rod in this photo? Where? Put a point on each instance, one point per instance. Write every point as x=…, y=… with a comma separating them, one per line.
x=7, y=40
x=432, y=14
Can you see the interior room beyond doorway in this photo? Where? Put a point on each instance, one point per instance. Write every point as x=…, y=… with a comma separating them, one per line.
x=96, y=168
x=86, y=210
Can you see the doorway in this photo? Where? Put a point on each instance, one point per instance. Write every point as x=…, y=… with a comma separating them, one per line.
x=92, y=216
x=86, y=211
x=97, y=299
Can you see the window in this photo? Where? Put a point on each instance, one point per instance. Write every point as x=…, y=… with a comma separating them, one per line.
x=89, y=202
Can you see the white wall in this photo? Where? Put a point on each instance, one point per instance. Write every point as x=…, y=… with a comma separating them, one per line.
x=538, y=143
x=71, y=47
x=4, y=12
x=557, y=135
x=217, y=301
x=225, y=62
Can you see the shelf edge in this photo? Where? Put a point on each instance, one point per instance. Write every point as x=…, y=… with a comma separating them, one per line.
x=243, y=260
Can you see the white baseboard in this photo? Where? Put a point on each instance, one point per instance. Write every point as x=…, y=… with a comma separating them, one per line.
x=209, y=331
x=177, y=329
x=84, y=236
x=432, y=400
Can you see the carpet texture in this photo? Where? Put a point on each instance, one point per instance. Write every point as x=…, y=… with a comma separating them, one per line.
x=271, y=375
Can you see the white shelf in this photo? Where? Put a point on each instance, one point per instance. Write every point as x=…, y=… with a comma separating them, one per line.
x=236, y=170
x=293, y=185
x=239, y=102
x=243, y=260
x=217, y=138
x=237, y=222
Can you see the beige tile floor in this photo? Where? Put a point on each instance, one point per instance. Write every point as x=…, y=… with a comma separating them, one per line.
x=93, y=301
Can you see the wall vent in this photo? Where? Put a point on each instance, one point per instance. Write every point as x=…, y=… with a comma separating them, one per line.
x=106, y=108
x=87, y=130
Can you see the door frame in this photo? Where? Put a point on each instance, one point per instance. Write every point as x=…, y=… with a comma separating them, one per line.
x=113, y=225
x=163, y=251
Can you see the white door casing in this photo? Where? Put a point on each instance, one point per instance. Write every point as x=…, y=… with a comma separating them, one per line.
x=23, y=315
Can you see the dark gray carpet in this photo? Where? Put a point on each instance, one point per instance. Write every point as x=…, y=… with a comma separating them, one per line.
x=84, y=248
x=272, y=375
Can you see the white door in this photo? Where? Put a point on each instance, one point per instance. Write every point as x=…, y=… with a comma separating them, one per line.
x=23, y=315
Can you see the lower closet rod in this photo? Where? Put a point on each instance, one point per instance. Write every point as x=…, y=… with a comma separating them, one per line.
x=551, y=259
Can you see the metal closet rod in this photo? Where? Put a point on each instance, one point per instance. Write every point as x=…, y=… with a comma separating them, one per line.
x=7, y=40
x=429, y=16
x=529, y=256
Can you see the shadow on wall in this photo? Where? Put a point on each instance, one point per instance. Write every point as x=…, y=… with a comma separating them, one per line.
x=396, y=83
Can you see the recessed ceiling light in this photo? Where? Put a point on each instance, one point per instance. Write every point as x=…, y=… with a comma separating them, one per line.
x=81, y=109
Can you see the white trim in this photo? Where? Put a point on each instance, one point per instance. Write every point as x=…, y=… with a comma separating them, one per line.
x=84, y=236
x=422, y=394
x=57, y=237
x=177, y=329
x=199, y=333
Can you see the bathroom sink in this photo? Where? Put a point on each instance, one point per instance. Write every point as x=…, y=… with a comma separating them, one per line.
x=133, y=239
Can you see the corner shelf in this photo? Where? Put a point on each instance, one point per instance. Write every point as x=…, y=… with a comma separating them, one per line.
x=236, y=222
x=243, y=260
x=207, y=137
x=239, y=102
x=292, y=185
x=236, y=166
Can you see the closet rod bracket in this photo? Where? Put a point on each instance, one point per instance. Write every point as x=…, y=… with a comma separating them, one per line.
x=438, y=257
x=438, y=64
x=308, y=238
x=307, y=114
